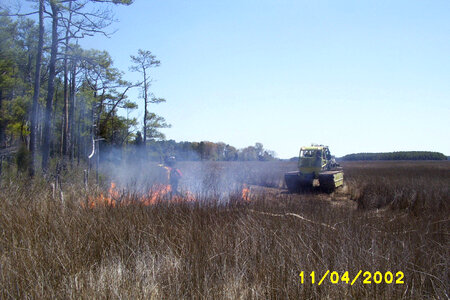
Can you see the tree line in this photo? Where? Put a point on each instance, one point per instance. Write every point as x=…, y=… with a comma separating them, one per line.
x=56, y=98
x=205, y=150
x=400, y=155
x=159, y=150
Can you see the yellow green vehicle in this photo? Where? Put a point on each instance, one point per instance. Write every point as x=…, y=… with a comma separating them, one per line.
x=317, y=168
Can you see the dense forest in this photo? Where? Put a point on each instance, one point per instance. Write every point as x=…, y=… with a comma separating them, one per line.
x=59, y=101
x=401, y=155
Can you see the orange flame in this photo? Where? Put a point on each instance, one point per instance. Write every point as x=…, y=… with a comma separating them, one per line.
x=245, y=193
x=157, y=193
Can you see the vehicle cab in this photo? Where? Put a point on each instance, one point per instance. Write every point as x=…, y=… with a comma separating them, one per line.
x=313, y=159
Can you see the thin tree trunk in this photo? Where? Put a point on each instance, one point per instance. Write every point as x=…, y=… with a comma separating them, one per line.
x=99, y=108
x=55, y=115
x=66, y=131
x=94, y=127
x=65, y=125
x=145, y=107
x=79, y=138
x=72, y=112
x=37, y=84
x=51, y=89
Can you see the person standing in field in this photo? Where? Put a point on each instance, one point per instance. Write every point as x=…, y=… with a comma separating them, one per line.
x=173, y=173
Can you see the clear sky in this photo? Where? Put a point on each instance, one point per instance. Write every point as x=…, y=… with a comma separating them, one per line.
x=359, y=76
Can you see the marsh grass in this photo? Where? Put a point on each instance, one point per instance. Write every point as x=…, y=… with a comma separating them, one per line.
x=234, y=250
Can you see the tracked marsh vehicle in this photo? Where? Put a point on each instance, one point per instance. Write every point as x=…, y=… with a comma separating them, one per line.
x=317, y=169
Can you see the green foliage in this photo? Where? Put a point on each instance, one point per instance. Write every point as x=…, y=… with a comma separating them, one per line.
x=97, y=90
x=88, y=89
x=17, y=54
x=154, y=124
x=401, y=155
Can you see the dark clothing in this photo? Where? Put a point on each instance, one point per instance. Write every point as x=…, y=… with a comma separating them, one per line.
x=174, y=177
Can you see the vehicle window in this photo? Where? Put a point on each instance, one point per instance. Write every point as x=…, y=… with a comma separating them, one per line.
x=307, y=153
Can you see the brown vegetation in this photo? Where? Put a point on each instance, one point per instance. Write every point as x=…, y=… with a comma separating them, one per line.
x=243, y=249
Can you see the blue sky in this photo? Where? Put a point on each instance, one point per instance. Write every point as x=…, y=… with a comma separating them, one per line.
x=359, y=76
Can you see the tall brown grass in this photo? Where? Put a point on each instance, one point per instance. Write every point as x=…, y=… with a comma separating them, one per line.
x=239, y=250
x=414, y=186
